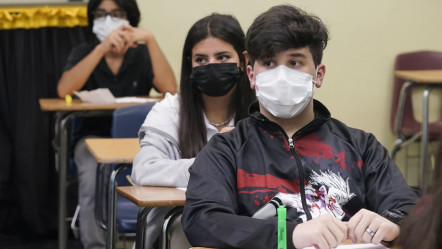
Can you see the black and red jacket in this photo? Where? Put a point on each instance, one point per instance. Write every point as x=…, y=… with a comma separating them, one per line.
x=323, y=168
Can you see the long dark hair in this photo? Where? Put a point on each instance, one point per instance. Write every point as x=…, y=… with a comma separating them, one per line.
x=129, y=6
x=422, y=228
x=192, y=129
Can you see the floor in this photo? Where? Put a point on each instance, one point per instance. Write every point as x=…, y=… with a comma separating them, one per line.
x=17, y=240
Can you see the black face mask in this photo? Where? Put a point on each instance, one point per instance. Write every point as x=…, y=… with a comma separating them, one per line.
x=215, y=79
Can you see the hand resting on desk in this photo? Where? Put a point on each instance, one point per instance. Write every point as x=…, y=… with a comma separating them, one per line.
x=383, y=229
x=327, y=231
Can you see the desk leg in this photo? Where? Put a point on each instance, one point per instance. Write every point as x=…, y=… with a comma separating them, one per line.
x=169, y=219
x=62, y=125
x=62, y=168
x=112, y=206
x=112, y=211
x=425, y=139
x=141, y=227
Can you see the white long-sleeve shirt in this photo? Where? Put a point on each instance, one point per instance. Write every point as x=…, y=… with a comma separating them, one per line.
x=159, y=162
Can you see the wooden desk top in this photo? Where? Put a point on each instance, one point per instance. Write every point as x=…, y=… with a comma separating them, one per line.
x=113, y=150
x=421, y=76
x=146, y=196
x=78, y=105
x=347, y=245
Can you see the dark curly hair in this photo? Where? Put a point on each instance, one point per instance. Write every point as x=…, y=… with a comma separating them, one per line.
x=283, y=27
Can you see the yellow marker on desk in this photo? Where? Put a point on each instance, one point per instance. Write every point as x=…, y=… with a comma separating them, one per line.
x=68, y=99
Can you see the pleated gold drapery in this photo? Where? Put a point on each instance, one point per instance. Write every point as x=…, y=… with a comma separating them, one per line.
x=42, y=16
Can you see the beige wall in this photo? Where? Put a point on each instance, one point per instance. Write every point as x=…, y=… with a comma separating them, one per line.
x=365, y=38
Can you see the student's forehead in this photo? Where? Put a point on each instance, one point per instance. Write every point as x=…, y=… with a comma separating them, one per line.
x=303, y=52
x=212, y=45
x=108, y=5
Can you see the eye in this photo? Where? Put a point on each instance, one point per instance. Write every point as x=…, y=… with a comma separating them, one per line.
x=200, y=60
x=294, y=63
x=99, y=14
x=268, y=63
x=118, y=13
x=223, y=57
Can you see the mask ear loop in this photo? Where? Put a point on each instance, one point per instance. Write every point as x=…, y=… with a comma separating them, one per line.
x=314, y=81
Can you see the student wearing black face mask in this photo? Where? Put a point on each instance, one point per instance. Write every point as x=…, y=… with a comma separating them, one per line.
x=214, y=95
x=215, y=79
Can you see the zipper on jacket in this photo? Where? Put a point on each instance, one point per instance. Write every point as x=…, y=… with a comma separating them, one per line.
x=291, y=143
x=301, y=178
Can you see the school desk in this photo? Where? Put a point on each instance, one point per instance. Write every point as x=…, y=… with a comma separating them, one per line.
x=346, y=245
x=112, y=151
x=428, y=79
x=67, y=112
x=147, y=197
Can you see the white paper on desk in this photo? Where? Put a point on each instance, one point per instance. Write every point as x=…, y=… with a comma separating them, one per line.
x=135, y=100
x=357, y=246
x=100, y=95
x=104, y=96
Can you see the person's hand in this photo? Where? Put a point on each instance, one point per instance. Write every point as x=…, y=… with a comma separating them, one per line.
x=325, y=231
x=370, y=227
x=137, y=34
x=118, y=41
x=226, y=129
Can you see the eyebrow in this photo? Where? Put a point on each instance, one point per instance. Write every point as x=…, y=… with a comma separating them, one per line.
x=223, y=52
x=100, y=9
x=297, y=55
x=199, y=55
x=219, y=53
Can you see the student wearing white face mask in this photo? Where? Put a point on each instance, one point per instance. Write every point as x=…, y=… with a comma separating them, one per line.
x=129, y=62
x=336, y=182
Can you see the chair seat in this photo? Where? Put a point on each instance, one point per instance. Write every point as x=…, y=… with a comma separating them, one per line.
x=434, y=130
x=127, y=213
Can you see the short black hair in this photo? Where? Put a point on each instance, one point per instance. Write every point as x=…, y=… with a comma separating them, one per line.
x=283, y=27
x=129, y=6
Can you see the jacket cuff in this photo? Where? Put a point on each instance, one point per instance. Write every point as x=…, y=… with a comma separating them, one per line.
x=395, y=216
x=290, y=228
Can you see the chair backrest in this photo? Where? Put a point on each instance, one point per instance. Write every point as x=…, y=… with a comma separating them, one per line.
x=418, y=60
x=126, y=121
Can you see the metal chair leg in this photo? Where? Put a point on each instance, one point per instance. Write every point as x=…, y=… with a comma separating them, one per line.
x=173, y=214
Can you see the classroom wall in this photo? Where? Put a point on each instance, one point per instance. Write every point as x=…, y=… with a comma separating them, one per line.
x=365, y=38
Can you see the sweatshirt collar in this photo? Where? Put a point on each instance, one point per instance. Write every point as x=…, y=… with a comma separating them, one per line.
x=322, y=115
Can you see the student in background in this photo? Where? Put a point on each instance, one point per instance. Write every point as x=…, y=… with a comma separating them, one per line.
x=123, y=58
x=423, y=226
x=214, y=95
x=291, y=152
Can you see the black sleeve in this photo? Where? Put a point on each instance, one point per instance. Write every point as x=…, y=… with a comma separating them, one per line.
x=211, y=215
x=76, y=55
x=386, y=188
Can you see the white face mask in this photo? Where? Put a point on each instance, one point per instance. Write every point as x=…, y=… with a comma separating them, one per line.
x=105, y=25
x=283, y=91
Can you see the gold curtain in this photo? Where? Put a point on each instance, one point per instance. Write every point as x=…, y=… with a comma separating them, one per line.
x=42, y=16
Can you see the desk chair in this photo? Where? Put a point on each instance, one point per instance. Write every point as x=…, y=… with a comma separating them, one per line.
x=148, y=197
x=403, y=122
x=126, y=122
